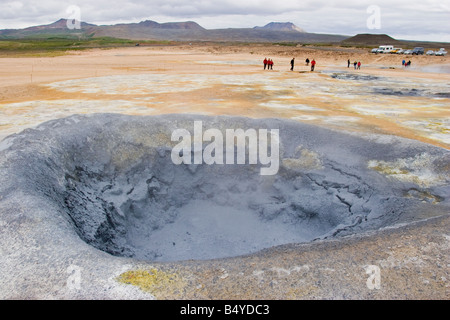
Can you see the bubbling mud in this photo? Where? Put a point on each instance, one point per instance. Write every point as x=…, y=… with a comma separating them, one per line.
x=113, y=178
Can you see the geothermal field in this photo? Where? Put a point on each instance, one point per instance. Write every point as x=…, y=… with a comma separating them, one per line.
x=93, y=205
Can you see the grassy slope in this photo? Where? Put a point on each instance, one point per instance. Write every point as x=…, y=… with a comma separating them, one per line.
x=55, y=45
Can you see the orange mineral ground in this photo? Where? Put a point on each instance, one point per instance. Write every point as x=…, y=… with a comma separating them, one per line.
x=382, y=97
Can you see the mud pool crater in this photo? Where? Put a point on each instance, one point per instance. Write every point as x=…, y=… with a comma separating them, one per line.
x=111, y=177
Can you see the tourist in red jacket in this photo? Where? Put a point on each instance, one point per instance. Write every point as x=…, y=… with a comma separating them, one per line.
x=313, y=64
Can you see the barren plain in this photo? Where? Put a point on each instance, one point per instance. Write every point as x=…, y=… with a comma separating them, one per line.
x=381, y=100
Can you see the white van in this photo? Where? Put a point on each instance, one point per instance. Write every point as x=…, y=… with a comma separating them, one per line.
x=385, y=49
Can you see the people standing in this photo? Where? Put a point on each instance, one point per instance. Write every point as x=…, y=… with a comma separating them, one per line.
x=307, y=61
x=313, y=64
x=348, y=63
x=359, y=65
x=403, y=62
x=265, y=63
x=354, y=64
x=292, y=64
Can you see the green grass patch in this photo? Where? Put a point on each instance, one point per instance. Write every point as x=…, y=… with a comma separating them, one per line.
x=55, y=46
x=285, y=44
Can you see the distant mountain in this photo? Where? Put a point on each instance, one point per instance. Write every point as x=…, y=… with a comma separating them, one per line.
x=375, y=40
x=58, y=28
x=174, y=31
x=281, y=26
x=188, y=25
x=191, y=31
x=60, y=24
x=150, y=30
x=371, y=40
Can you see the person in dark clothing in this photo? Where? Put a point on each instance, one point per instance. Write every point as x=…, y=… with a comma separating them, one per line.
x=307, y=61
x=292, y=64
x=354, y=64
x=348, y=63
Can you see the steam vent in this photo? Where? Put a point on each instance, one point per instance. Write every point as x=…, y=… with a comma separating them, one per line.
x=94, y=207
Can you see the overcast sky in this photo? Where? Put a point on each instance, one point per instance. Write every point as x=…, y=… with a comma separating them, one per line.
x=403, y=19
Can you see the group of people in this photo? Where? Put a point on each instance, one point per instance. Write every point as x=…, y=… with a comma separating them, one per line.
x=356, y=64
x=268, y=63
x=406, y=64
x=313, y=63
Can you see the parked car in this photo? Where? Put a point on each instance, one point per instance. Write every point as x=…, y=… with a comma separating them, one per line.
x=418, y=50
x=374, y=50
x=430, y=53
x=407, y=51
x=441, y=52
x=401, y=51
x=395, y=50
